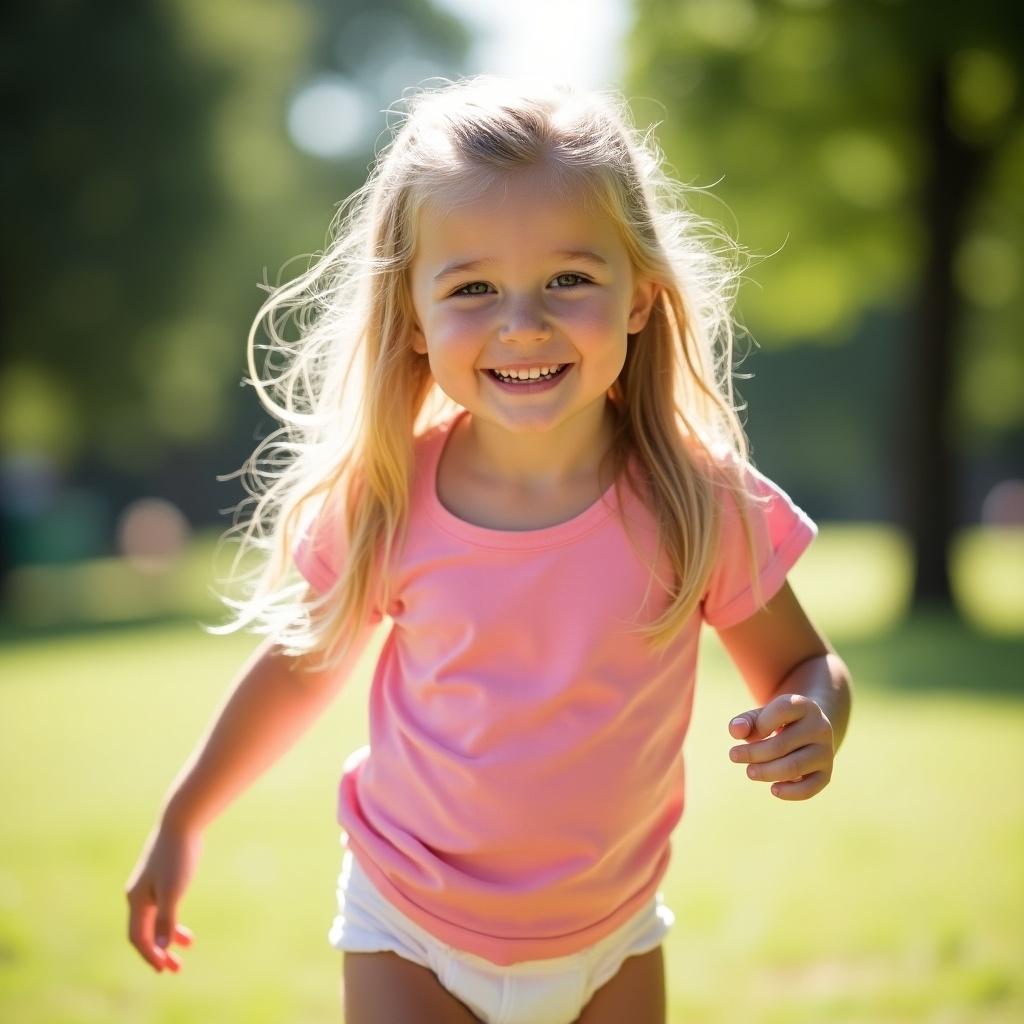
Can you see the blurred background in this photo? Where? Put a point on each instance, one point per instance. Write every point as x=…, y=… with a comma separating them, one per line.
x=165, y=158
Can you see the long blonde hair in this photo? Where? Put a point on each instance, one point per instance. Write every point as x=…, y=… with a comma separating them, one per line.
x=352, y=394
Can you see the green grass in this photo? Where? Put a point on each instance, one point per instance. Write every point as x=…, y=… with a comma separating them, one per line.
x=893, y=896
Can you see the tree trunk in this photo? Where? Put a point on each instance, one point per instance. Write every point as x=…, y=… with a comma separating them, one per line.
x=927, y=453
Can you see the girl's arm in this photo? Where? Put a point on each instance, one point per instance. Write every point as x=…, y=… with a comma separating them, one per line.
x=271, y=703
x=805, y=689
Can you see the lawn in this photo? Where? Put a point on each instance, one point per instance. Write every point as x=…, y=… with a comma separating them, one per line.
x=896, y=895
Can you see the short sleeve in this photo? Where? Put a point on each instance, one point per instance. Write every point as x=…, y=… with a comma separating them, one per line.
x=782, y=532
x=320, y=552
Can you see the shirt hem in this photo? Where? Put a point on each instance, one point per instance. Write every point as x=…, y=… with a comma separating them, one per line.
x=507, y=951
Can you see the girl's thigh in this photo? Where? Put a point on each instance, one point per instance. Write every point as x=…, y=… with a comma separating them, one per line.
x=385, y=988
x=636, y=993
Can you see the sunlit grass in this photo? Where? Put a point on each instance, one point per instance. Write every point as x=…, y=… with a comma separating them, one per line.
x=987, y=566
x=893, y=896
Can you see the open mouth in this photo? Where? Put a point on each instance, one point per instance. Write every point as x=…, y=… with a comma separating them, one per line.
x=516, y=382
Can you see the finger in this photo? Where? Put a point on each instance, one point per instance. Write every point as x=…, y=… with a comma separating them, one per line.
x=781, y=711
x=165, y=931
x=806, y=787
x=784, y=769
x=743, y=725
x=183, y=936
x=166, y=928
x=172, y=961
x=140, y=934
x=785, y=741
x=760, y=723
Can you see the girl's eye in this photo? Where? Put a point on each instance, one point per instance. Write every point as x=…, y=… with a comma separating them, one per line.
x=579, y=277
x=570, y=273
x=462, y=290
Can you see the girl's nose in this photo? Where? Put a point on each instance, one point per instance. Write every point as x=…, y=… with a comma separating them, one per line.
x=524, y=321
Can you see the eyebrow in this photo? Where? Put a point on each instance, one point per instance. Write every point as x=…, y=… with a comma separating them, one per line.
x=581, y=255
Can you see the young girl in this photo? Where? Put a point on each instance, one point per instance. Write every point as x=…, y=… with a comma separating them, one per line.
x=510, y=428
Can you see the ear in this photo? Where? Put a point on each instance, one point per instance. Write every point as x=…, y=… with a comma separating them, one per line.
x=417, y=339
x=644, y=295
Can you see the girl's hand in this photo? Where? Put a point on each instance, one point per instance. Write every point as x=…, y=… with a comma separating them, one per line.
x=154, y=889
x=798, y=758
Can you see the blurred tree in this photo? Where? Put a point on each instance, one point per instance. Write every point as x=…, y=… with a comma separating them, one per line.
x=882, y=143
x=152, y=174
x=109, y=181
x=112, y=183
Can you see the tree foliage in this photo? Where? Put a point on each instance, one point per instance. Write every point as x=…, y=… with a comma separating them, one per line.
x=809, y=119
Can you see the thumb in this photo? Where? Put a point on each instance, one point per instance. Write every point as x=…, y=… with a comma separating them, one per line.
x=164, y=925
x=744, y=726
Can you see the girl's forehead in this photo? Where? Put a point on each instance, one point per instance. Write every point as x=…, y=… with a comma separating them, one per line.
x=520, y=209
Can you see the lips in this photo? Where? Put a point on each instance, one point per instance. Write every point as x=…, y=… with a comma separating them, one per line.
x=550, y=376
x=528, y=387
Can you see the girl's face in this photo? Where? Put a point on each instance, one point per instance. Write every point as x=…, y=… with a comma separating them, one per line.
x=534, y=298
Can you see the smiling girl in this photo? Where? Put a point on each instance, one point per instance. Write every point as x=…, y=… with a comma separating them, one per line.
x=509, y=428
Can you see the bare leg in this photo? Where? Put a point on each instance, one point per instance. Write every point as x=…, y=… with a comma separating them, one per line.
x=385, y=988
x=636, y=994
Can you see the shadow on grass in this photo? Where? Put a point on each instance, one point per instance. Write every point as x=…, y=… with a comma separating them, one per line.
x=937, y=651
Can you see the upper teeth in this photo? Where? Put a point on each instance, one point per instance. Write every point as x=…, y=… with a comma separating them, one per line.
x=537, y=371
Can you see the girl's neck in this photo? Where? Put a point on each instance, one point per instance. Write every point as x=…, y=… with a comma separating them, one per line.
x=567, y=456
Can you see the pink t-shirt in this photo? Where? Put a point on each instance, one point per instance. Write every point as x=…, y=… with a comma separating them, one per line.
x=525, y=766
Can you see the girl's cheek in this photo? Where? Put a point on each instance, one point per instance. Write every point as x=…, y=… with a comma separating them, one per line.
x=591, y=312
x=591, y=329
x=457, y=323
x=454, y=346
